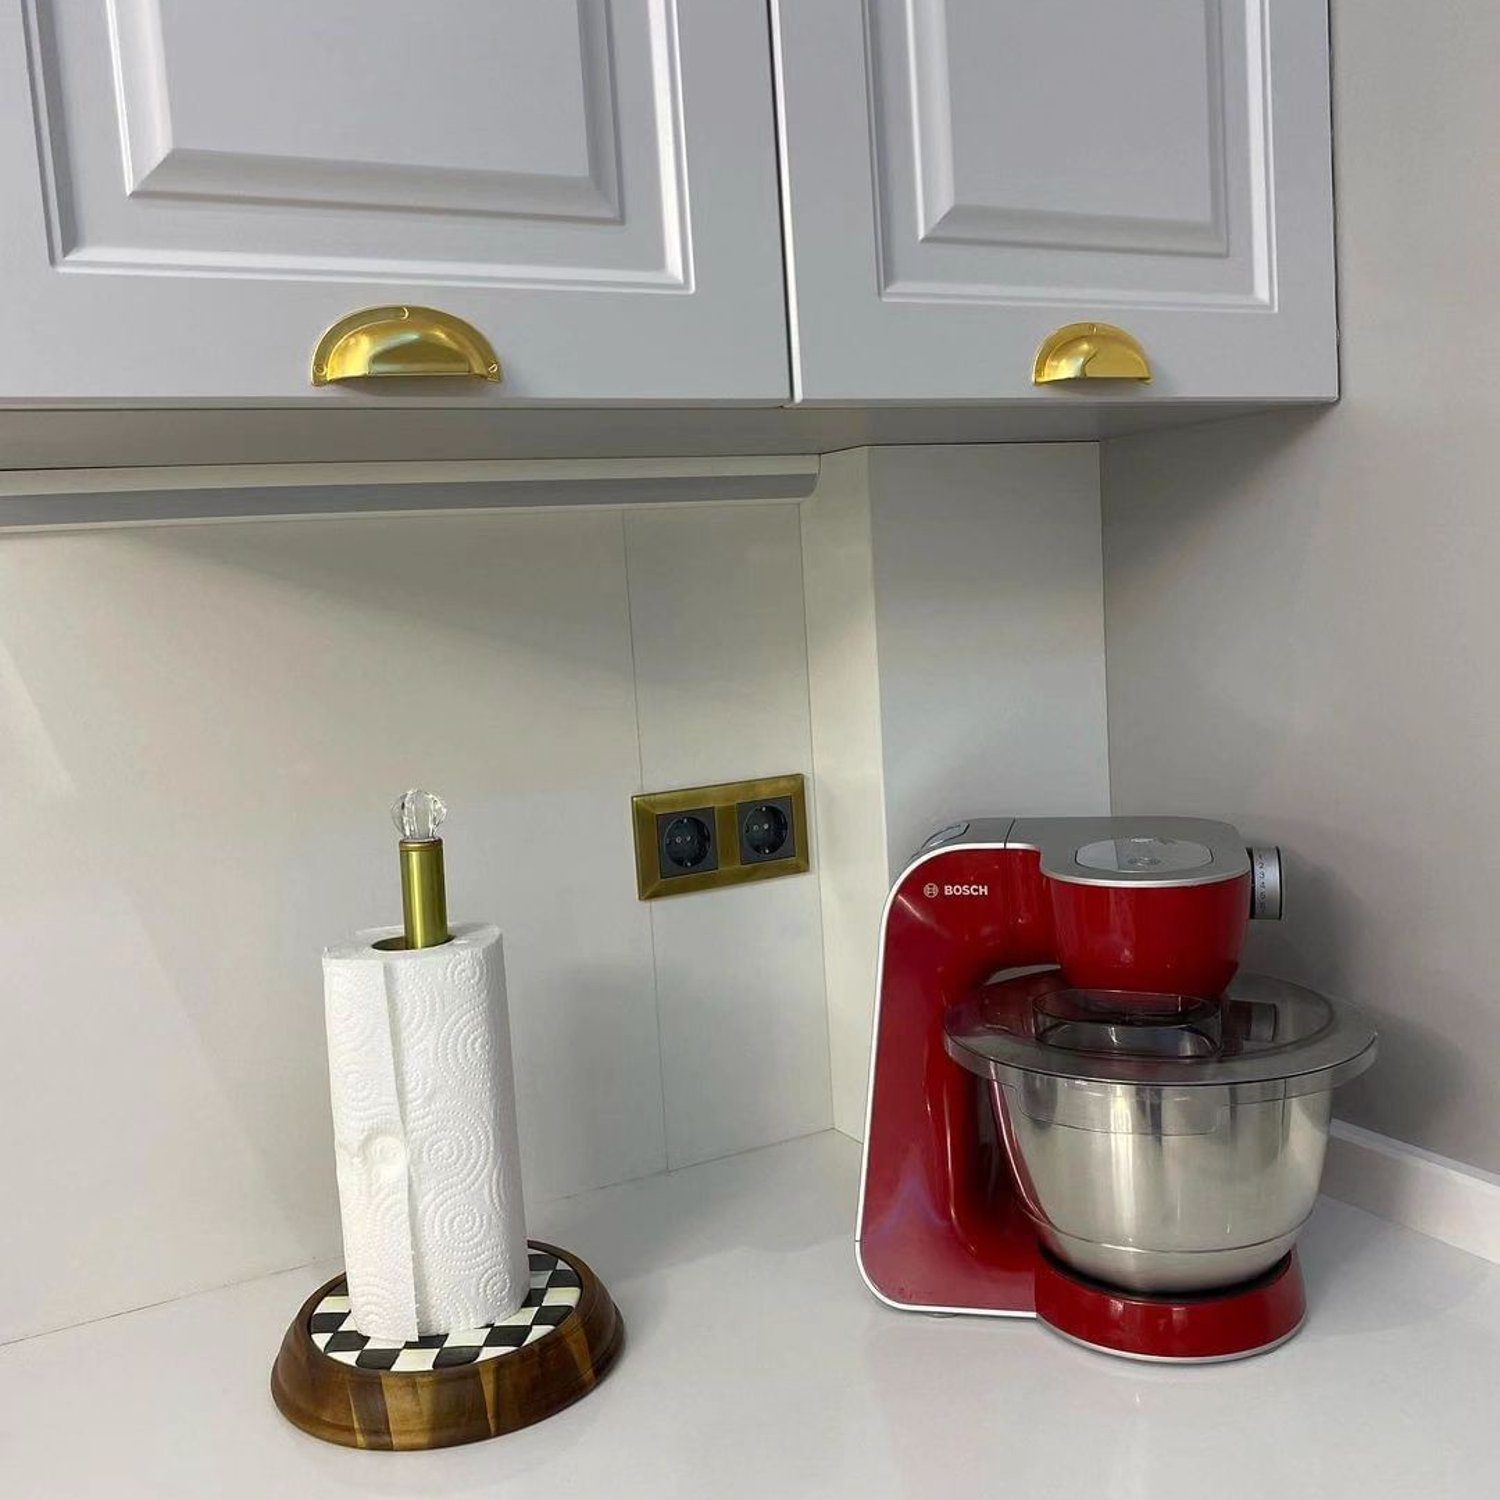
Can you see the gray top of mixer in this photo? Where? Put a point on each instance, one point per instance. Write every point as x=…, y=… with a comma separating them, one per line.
x=1133, y=851
x=1265, y=1032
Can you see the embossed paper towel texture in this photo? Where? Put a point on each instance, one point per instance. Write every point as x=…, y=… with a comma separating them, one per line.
x=424, y=1125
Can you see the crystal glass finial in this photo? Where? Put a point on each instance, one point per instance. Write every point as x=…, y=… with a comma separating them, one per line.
x=418, y=814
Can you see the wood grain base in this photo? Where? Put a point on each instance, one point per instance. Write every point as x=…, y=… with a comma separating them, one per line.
x=403, y=1410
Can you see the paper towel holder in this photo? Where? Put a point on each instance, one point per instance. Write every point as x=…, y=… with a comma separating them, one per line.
x=555, y=1335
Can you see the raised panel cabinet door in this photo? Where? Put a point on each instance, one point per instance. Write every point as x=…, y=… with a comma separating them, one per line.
x=196, y=189
x=963, y=177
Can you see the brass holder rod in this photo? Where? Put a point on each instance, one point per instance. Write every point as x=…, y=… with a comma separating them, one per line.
x=424, y=895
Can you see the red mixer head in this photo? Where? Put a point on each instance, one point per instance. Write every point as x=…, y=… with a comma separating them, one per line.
x=1137, y=907
x=1154, y=905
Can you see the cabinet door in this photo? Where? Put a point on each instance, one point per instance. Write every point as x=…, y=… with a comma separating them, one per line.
x=965, y=176
x=196, y=189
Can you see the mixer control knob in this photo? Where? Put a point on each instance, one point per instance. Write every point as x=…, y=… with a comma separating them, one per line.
x=1265, y=884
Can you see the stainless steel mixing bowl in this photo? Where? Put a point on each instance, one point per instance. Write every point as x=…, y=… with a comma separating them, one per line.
x=1172, y=1151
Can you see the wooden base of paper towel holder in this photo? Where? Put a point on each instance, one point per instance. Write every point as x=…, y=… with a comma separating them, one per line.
x=438, y=1408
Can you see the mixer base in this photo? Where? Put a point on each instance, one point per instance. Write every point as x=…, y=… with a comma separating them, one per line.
x=1200, y=1328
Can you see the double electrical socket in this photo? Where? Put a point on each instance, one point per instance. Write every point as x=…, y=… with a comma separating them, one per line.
x=701, y=837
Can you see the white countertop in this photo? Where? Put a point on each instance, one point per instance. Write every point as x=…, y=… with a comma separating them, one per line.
x=757, y=1365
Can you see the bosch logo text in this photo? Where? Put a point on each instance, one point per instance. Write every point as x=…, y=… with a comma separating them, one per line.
x=932, y=888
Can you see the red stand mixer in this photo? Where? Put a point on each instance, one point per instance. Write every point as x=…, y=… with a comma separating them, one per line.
x=1078, y=1110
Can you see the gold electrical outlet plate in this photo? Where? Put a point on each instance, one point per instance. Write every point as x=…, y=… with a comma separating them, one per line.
x=724, y=802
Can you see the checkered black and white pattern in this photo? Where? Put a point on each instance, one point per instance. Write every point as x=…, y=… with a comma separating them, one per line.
x=555, y=1289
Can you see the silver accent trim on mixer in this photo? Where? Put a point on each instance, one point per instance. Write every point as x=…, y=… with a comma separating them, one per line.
x=1265, y=884
x=1178, y=1359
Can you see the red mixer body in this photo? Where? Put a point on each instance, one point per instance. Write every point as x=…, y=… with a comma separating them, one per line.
x=940, y=1226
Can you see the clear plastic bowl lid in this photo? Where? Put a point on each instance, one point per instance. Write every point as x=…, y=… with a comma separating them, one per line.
x=1263, y=1031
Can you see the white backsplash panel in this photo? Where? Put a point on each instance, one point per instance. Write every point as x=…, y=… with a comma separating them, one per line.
x=200, y=731
x=721, y=680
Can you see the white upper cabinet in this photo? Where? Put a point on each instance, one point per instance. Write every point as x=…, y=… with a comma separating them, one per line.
x=196, y=189
x=962, y=177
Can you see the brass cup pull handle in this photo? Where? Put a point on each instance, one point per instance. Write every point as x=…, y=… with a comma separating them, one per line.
x=377, y=342
x=1090, y=351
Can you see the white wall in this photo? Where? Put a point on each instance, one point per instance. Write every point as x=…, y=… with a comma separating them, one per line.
x=1303, y=611
x=956, y=637
x=200, y=731
x=989, y=615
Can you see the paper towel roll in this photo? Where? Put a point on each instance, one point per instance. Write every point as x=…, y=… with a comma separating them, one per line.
x=424, y=1128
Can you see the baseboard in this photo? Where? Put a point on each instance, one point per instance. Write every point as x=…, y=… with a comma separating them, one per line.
x=1432, y=1194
